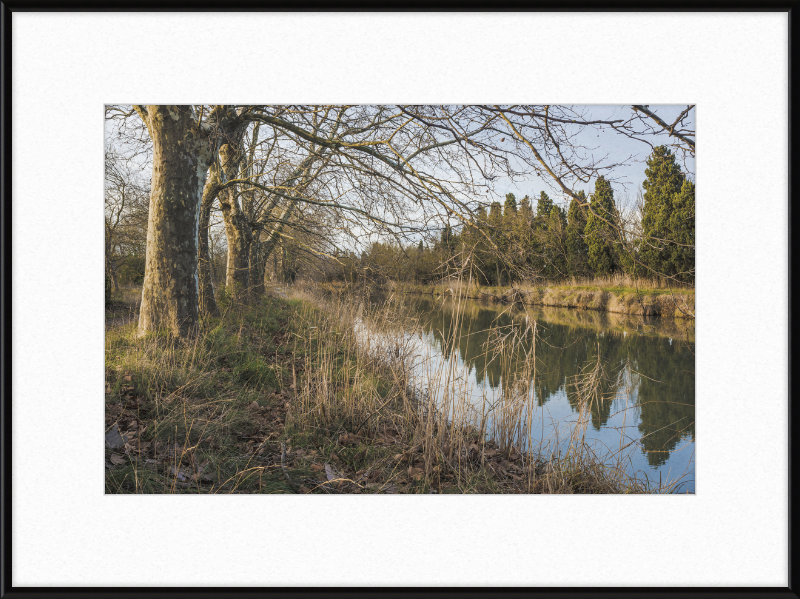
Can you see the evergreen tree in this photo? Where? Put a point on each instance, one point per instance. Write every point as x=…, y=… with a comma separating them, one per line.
x=495, y=212
x=523, y=233
x=577, y=250
x=557, y=248
x=447, y=238
x=601, y=231
x=525, y=211
x=479, y=246
x=497, y=234
x=544, y=205
x=680, y=258
x=663, y=183
x=510, y=207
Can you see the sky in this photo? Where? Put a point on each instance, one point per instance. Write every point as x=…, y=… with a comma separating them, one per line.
x=614, y=146
x=618, y=147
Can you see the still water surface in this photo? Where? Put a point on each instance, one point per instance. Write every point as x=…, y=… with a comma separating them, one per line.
x=648, y=404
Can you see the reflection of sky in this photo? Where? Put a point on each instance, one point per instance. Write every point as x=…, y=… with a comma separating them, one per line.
x=449, y=380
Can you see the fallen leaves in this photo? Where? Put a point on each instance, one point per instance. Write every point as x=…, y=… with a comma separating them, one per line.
x=416, y=473
x=331, y=472
x=114, y=439
x=349, y=439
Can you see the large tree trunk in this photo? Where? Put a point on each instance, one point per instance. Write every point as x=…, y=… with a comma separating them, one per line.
x=275, y=234
x=237, y=227
x=208, y=304
x=258, y=265
x=111, y=268
x=181, y=157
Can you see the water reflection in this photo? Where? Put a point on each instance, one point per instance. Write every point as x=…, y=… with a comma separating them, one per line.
x=649, y=368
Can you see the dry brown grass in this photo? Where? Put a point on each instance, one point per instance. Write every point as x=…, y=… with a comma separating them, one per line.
x=412, y=433
x=324, y=395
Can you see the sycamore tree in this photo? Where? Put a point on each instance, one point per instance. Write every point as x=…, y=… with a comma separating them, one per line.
x=185, y=142
x=325, y=176
x=370, y=168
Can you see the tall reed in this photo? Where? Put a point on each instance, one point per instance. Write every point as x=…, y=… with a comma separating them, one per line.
x=374, y=375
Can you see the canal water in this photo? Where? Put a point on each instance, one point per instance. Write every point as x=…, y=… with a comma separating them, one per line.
x=643, y=406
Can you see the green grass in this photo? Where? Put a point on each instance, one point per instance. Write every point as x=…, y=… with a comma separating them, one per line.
x=285, y=383
x=191, y=403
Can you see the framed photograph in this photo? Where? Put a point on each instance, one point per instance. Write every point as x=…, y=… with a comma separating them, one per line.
x=445, y=269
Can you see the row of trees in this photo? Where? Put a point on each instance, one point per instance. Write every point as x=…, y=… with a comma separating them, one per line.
x=312, y=182
x=540, y=240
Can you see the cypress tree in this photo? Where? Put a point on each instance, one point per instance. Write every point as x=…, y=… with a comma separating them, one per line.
x=510, y=207
x=557, y=251
x=480, y=248
x=498, y=236
x=681, y=228
x=526, y=211
x=522, y=233
x=495, y=212
x=544, y=205
x=447, y=237
x=600, y=232
x=664, y=181
x=577, y=250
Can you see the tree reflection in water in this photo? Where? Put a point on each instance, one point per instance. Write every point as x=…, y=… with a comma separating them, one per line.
x=649, y=364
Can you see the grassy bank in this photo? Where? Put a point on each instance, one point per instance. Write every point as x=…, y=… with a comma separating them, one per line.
x=620, y=295
x=301, y=396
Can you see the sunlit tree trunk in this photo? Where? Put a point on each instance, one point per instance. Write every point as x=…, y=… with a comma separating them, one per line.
x=258, y=265
x=275, y=234
x=208, y=304
x=237, y=227
x=181, y=157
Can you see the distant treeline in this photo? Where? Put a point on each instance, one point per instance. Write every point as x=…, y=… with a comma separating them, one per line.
x=537, y=240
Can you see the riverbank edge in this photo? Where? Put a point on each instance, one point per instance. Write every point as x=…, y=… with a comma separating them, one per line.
x=255, y=424
x=644, y=303
x=490, y=469
x=259, y=423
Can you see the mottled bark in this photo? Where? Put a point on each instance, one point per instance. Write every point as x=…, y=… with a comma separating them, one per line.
x=208, y=304
x=182, y=154
x=237, y=227
x=257, y=267
x=275, y=234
